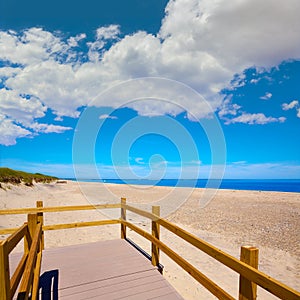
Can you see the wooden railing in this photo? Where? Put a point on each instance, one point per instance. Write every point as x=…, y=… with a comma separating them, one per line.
x=247, y=266
x=26, y=275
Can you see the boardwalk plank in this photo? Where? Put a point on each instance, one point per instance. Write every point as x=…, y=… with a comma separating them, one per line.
x=105, y=270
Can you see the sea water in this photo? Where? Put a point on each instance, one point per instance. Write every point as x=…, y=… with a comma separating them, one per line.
x=277, y=185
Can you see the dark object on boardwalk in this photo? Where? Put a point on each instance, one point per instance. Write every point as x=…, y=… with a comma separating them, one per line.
x=48, y=285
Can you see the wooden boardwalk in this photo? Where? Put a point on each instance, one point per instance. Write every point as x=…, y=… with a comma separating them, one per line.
x=102, y=270
x=113, y=269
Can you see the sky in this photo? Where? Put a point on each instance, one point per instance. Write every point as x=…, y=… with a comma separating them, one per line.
x=151, y=89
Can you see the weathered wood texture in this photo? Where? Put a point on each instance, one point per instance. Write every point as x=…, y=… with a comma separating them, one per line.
x=104, y=270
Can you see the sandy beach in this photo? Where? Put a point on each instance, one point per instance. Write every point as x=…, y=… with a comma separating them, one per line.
x=231, y=219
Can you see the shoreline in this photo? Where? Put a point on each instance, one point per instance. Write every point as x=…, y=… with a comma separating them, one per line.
x=8, y=186
x=268, y=220
x=239, y=183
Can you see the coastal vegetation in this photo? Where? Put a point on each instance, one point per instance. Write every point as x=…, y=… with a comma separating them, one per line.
x=18, y=177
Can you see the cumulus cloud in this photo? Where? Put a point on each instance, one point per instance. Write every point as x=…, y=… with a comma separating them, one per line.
x=103, y=34
x=73, y=40
x=228, y=108
x=252, y=119
x=29, y=47
x=239, y=34
x=291, y=105
x=266, y=96
x=16, y=107
x=17, y=118
x=9, y=131
x=200, y=43
x=9, y=72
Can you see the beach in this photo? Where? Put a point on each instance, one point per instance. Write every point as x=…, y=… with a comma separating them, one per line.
x=228, y=219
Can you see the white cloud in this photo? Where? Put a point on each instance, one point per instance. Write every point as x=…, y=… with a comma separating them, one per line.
x=30, y=47
x=55, y=84
x=73, y=41
x=105, y=116
x=200, y=43
x=228, y=108
x=96, y=48
x=291, y=105
x=9, y=71
x=266, y=96
x=49, y=128
x=235, y=33
x=18, y=115
x=19, y=108
x=108, y=33
x=252, y=119
x=9, y=132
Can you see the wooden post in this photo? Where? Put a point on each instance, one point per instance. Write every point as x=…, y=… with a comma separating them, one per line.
x=4, y=272
x=123, y=218
x=32, y=221
x=40, y=219
x=248, y=289
x=156, y=234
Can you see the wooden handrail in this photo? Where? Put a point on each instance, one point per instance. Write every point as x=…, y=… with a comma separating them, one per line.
x=16, y=278
x=16, y=237
x=267, y=282
x=80, y=224
x=200, y=277
x=17, y=211
x=250, y=273
x=28, y=274
x=25, y=269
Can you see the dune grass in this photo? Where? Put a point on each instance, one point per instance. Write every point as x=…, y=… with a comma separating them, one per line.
x=17, y=177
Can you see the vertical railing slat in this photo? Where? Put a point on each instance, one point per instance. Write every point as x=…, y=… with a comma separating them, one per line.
x=248, y=289
x=40, y=219
x=4, y=272
x=156, y=234
x=123, y=218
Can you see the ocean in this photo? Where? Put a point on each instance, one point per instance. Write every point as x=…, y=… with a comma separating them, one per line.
x=278, y=185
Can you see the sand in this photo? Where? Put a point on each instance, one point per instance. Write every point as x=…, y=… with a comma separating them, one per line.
x=230, y=219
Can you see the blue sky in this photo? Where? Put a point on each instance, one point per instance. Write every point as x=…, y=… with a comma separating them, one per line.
x=151, y=89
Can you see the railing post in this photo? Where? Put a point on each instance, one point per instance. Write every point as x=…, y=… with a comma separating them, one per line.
x=155, y=233
x=32, y=220
x=123, y=218
x=40, y=219
x=4, y=272
x=248, y=289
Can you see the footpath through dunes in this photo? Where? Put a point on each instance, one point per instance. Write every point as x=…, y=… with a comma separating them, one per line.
x=274, y=259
